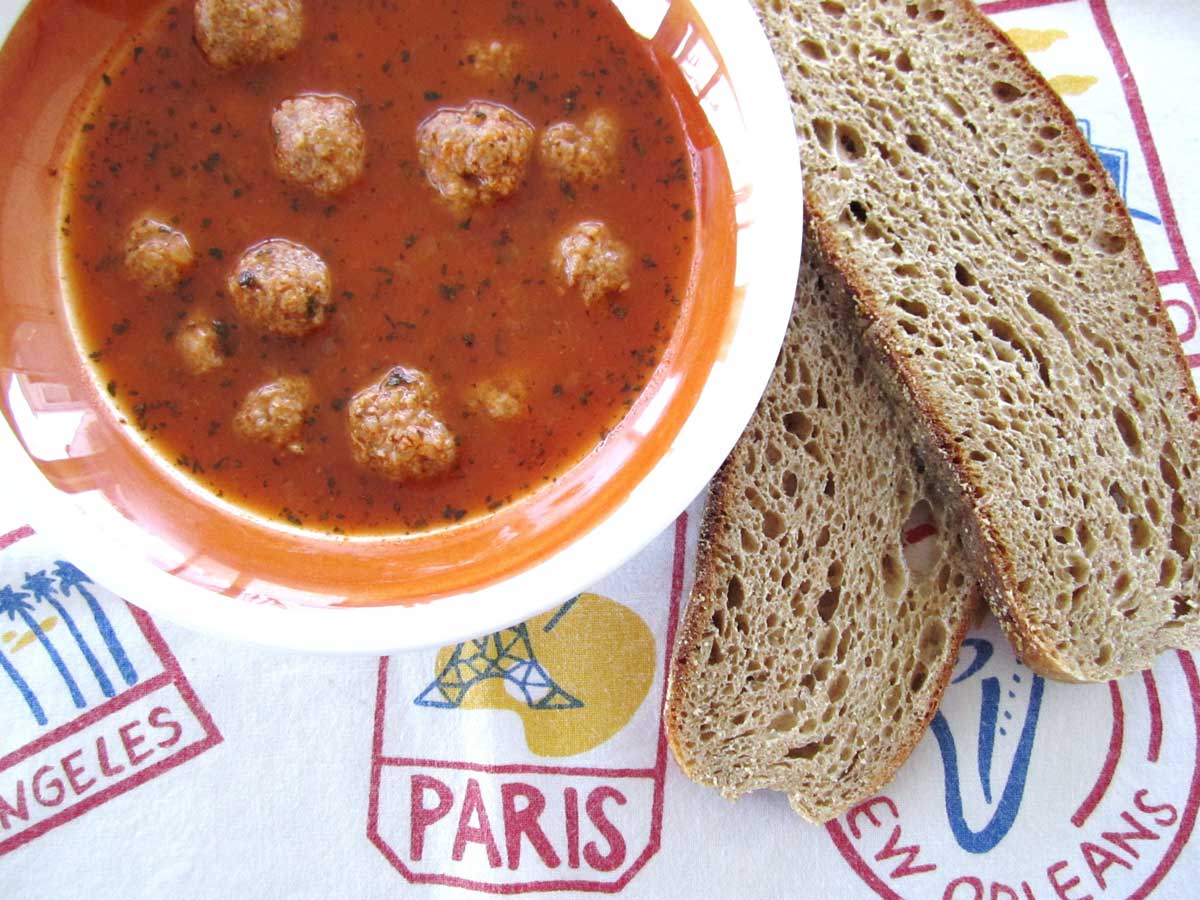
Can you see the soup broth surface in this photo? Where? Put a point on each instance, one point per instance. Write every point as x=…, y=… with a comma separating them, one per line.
x=526, y=370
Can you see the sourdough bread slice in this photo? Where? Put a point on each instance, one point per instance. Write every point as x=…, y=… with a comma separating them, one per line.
x=996, y=271
x=817, y=642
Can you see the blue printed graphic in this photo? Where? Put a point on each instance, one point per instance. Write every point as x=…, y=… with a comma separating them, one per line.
x=42, y=588
x=69, y=577
x=15, y=604
x=1005, y=809
x=506, y=654
x=23, y=607
x=1116, y=162
x=22, y=686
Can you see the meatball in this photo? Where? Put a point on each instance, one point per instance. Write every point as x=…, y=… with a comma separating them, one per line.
x=475, y=155
x=394, y=430
x=157, y=256
x=584, y=155
x=501, y=399
x=200, y=345
x=234, y=33
x=493, y=59
x=281, y=287
x=275, y=413
x=319, y=142
x=592, y=261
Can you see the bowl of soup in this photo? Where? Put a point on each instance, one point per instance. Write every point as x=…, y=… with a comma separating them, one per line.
x=353, y=328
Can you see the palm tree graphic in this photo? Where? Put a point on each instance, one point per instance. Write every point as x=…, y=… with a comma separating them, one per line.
x=43, y=589
x=22, y=685
x=14, y=604
x=71, y=577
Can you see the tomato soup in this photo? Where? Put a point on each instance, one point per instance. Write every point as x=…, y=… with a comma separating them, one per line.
x=385, y=267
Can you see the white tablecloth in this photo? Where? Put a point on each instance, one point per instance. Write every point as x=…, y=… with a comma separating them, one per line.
x=140, y=760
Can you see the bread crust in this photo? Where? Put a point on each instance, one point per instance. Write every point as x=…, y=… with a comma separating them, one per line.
x=744, y=753
x=714, y=714
x=994, y=549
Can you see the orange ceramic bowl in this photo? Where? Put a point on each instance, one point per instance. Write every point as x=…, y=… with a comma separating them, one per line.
x=150, y=535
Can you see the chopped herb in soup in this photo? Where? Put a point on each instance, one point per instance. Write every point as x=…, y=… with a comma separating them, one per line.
x=370, y=267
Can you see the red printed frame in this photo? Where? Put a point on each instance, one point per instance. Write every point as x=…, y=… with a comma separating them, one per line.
x=658, y=772
x=1187, y=820
x=172, y=674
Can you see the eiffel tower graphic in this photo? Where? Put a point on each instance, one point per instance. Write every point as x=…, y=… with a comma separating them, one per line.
x=507, y=654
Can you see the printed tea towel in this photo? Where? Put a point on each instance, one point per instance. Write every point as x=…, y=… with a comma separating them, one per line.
x=140, y=760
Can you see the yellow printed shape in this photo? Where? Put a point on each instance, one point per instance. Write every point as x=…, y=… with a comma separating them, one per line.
x=28, y=637
x=600, y=652
x=8, y=636
x=1032, y=40
x=1072, y=85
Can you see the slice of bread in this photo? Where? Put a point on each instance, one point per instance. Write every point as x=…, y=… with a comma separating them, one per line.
x=817, y=641
x=997, y=273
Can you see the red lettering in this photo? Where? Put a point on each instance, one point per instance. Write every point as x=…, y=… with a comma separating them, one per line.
x=1100, y=860
x=159, y=719
x=519, y=822
x=21, y=811
x=866, y=809
x=55, y=784
x=910, y=853
x=1028, y=891
x=422, y=816
x=106, y=769
x=475, y=834
x=131, y=742
x=1172, y=815
x=1122, y=838
x=997, y=887
x=970, y=881
x=571, y=809
x=1061, y=887
x=73, y=772
x=606, y=862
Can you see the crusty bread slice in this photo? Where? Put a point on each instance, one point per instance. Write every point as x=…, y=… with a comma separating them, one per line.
x=817, y=642
x=996, y=271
